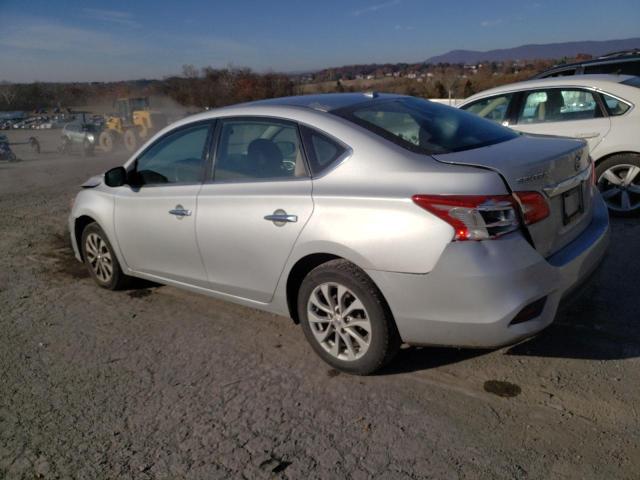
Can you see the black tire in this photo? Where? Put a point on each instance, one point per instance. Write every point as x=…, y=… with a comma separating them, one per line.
x=130, y=140
x=619, y=165
x=117, y=280
x=384, y=338
x=106, y=141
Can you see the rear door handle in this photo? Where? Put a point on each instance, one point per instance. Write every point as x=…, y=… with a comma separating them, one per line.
x=180, y=211
x=280, y=217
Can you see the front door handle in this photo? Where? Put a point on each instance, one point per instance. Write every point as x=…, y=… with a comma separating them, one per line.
x=280, y=217
x=180, y=211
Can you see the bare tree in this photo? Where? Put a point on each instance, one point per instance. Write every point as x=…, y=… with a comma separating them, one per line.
x=8, y=93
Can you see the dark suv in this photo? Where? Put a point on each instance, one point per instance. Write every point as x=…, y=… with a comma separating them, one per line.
x=626, y=62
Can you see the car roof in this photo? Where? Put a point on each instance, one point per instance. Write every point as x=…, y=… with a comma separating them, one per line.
x=624, y=56
x=598, y=81
x=324, y=102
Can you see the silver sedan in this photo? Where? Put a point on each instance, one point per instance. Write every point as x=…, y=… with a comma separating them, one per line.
x=370, y=220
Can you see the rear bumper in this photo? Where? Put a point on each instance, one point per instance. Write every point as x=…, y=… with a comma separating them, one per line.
x=477, y=288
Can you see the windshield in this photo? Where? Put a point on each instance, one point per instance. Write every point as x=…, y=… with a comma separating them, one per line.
x=426, y=127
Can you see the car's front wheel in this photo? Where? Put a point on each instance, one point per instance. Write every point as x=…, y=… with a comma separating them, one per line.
x=345, y=318
x=101, y=260
x=618, y=180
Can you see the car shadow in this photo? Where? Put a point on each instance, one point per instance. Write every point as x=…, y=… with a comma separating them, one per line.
x=601, y=322
x=412, y=359
x=588, y=329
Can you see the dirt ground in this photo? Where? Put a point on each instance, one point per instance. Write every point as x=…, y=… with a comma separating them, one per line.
x=160, y=383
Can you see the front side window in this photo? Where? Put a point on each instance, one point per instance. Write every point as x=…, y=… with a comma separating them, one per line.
x=492, y=108
x=558, y=105
x=258, y=149
x=426, y=127
x=614, y=106
x=178, y=157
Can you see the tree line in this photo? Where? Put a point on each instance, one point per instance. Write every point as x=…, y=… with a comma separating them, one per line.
x=211, y=88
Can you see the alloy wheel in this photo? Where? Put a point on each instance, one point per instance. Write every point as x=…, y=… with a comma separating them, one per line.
x=99, y=257
x=620, y=187
x=339, y=321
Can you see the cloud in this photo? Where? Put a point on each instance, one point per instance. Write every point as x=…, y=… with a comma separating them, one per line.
x=375, y=8
x=491, y=23
x=124, y=19
x=47, y=36
x=35, y=48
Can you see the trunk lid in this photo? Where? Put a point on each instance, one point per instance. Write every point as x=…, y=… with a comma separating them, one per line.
x=558, y=168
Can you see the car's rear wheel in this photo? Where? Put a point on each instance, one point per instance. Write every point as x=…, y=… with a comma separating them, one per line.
x=101, y=260
x=618, y=179
x=345, y=318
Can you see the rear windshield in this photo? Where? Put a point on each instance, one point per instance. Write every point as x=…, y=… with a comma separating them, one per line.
x=633, y=82
x=426, y=127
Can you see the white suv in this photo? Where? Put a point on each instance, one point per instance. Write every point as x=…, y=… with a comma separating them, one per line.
x=600, y=109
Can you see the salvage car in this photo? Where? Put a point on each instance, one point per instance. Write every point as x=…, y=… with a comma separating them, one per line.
x=600, y=109
x=369, y=219
x=84, y=135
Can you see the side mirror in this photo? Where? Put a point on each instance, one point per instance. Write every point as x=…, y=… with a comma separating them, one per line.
x=116, y=177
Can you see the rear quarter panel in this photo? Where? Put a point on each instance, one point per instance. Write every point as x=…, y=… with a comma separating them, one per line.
x=366, y=215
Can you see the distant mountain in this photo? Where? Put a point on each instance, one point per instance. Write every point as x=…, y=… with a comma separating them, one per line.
x=538, y=51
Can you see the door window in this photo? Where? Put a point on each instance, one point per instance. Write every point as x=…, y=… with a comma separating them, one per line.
x=492, y=108
x=258, y=149
x=558, y=105
x=177, y=158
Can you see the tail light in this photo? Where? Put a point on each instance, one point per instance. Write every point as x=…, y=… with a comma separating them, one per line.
x=481, y=217
x=533, y=205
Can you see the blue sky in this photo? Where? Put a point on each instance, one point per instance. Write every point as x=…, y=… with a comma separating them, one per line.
x=85, y=40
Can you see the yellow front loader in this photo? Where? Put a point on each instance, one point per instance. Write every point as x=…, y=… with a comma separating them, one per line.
x=131, y=124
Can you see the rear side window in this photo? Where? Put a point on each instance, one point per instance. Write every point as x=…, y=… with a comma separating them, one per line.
x=426, y=127
x=492, y=108
x=614, y=106
x=322, y=151
x=558, y=105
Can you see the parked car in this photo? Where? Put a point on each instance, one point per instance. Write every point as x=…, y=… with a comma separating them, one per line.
x=602, y=109
x=5, y=150
x=371, y=220
x=626, y=62
x=84, y=135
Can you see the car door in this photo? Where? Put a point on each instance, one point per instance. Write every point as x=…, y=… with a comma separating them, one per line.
x=155, y=214
x=568, y=112
x=254, y=207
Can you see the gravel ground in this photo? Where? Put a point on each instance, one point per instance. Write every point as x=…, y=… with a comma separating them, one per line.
x=160, y=383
